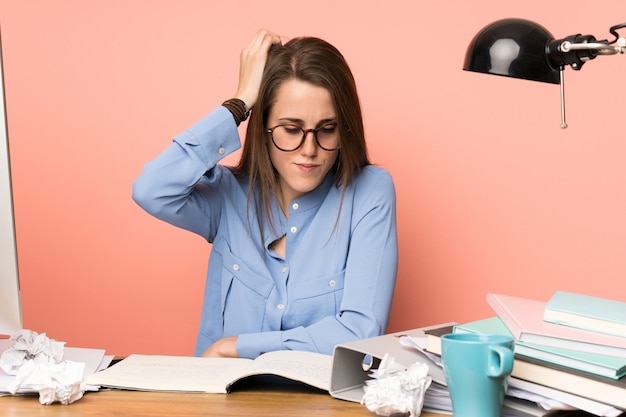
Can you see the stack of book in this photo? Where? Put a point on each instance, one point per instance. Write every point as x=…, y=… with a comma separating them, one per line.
x=571, y=349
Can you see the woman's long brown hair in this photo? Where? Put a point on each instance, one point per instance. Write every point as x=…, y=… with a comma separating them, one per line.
x=317, y=62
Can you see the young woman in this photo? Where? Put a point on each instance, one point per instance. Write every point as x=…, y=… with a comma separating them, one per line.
x=303, y=229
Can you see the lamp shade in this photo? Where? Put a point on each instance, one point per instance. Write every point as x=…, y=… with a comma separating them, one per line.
x=514, y=48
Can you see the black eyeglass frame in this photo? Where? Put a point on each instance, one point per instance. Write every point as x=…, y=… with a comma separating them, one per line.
x=305, y=132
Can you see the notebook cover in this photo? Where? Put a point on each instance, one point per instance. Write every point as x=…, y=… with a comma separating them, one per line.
x=524, y=319
x=587, y=312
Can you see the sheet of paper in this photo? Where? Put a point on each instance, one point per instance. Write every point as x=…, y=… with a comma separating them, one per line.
x=171, y=373
x=308, y=367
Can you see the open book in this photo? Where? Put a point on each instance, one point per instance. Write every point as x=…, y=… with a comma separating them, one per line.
x=212, y=375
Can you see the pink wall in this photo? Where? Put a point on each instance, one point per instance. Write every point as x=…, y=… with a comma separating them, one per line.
x=492, y=195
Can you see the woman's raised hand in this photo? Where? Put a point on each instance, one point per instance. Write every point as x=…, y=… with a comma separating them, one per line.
x=253, y=59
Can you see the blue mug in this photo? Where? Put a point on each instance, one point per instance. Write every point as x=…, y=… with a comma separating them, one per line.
x=477, y=367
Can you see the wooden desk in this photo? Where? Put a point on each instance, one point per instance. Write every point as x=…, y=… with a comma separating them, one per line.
x=246, y=401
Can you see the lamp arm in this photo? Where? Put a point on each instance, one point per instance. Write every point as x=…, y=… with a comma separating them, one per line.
x=575, y=50
x=601, y=48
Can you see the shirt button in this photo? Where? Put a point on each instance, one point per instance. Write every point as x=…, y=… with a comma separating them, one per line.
x=294, y=229
x=295, y=206
x=221, y=150
x=332, y=283
x=280, y=306
x=284, y=269
x=236, y=267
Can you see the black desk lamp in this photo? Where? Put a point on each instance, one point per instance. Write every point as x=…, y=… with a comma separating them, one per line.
x=523, y=49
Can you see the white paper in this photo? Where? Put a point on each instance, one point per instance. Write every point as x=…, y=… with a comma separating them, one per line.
x=395, y=389
x=33, y=363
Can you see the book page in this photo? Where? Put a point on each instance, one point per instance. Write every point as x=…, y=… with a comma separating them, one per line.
x=212, y=375
x=172, y=373
x=309, y=367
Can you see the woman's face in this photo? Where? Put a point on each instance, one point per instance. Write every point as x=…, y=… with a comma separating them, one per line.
x=309, y=107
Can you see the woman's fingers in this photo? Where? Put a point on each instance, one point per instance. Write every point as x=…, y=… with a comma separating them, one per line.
x=252, y=62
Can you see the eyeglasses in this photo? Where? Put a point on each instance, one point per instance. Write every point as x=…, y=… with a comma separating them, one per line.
x=288, y=137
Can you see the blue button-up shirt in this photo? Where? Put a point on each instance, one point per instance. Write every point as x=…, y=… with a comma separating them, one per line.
x=336, y=281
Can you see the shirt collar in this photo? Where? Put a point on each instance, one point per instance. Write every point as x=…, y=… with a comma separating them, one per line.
x=314, y=198
x=308, y=201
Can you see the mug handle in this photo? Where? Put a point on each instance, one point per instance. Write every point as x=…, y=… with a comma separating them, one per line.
x=500, y=361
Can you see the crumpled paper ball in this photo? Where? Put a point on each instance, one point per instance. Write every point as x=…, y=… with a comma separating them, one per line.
x=395, y=389
x=35, y=360
x=30, y=346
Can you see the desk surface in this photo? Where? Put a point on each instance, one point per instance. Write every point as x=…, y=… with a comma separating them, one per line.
x=255, y=401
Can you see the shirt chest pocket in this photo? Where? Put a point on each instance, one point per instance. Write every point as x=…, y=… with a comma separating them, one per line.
x=244, y=295
x=316, y=298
